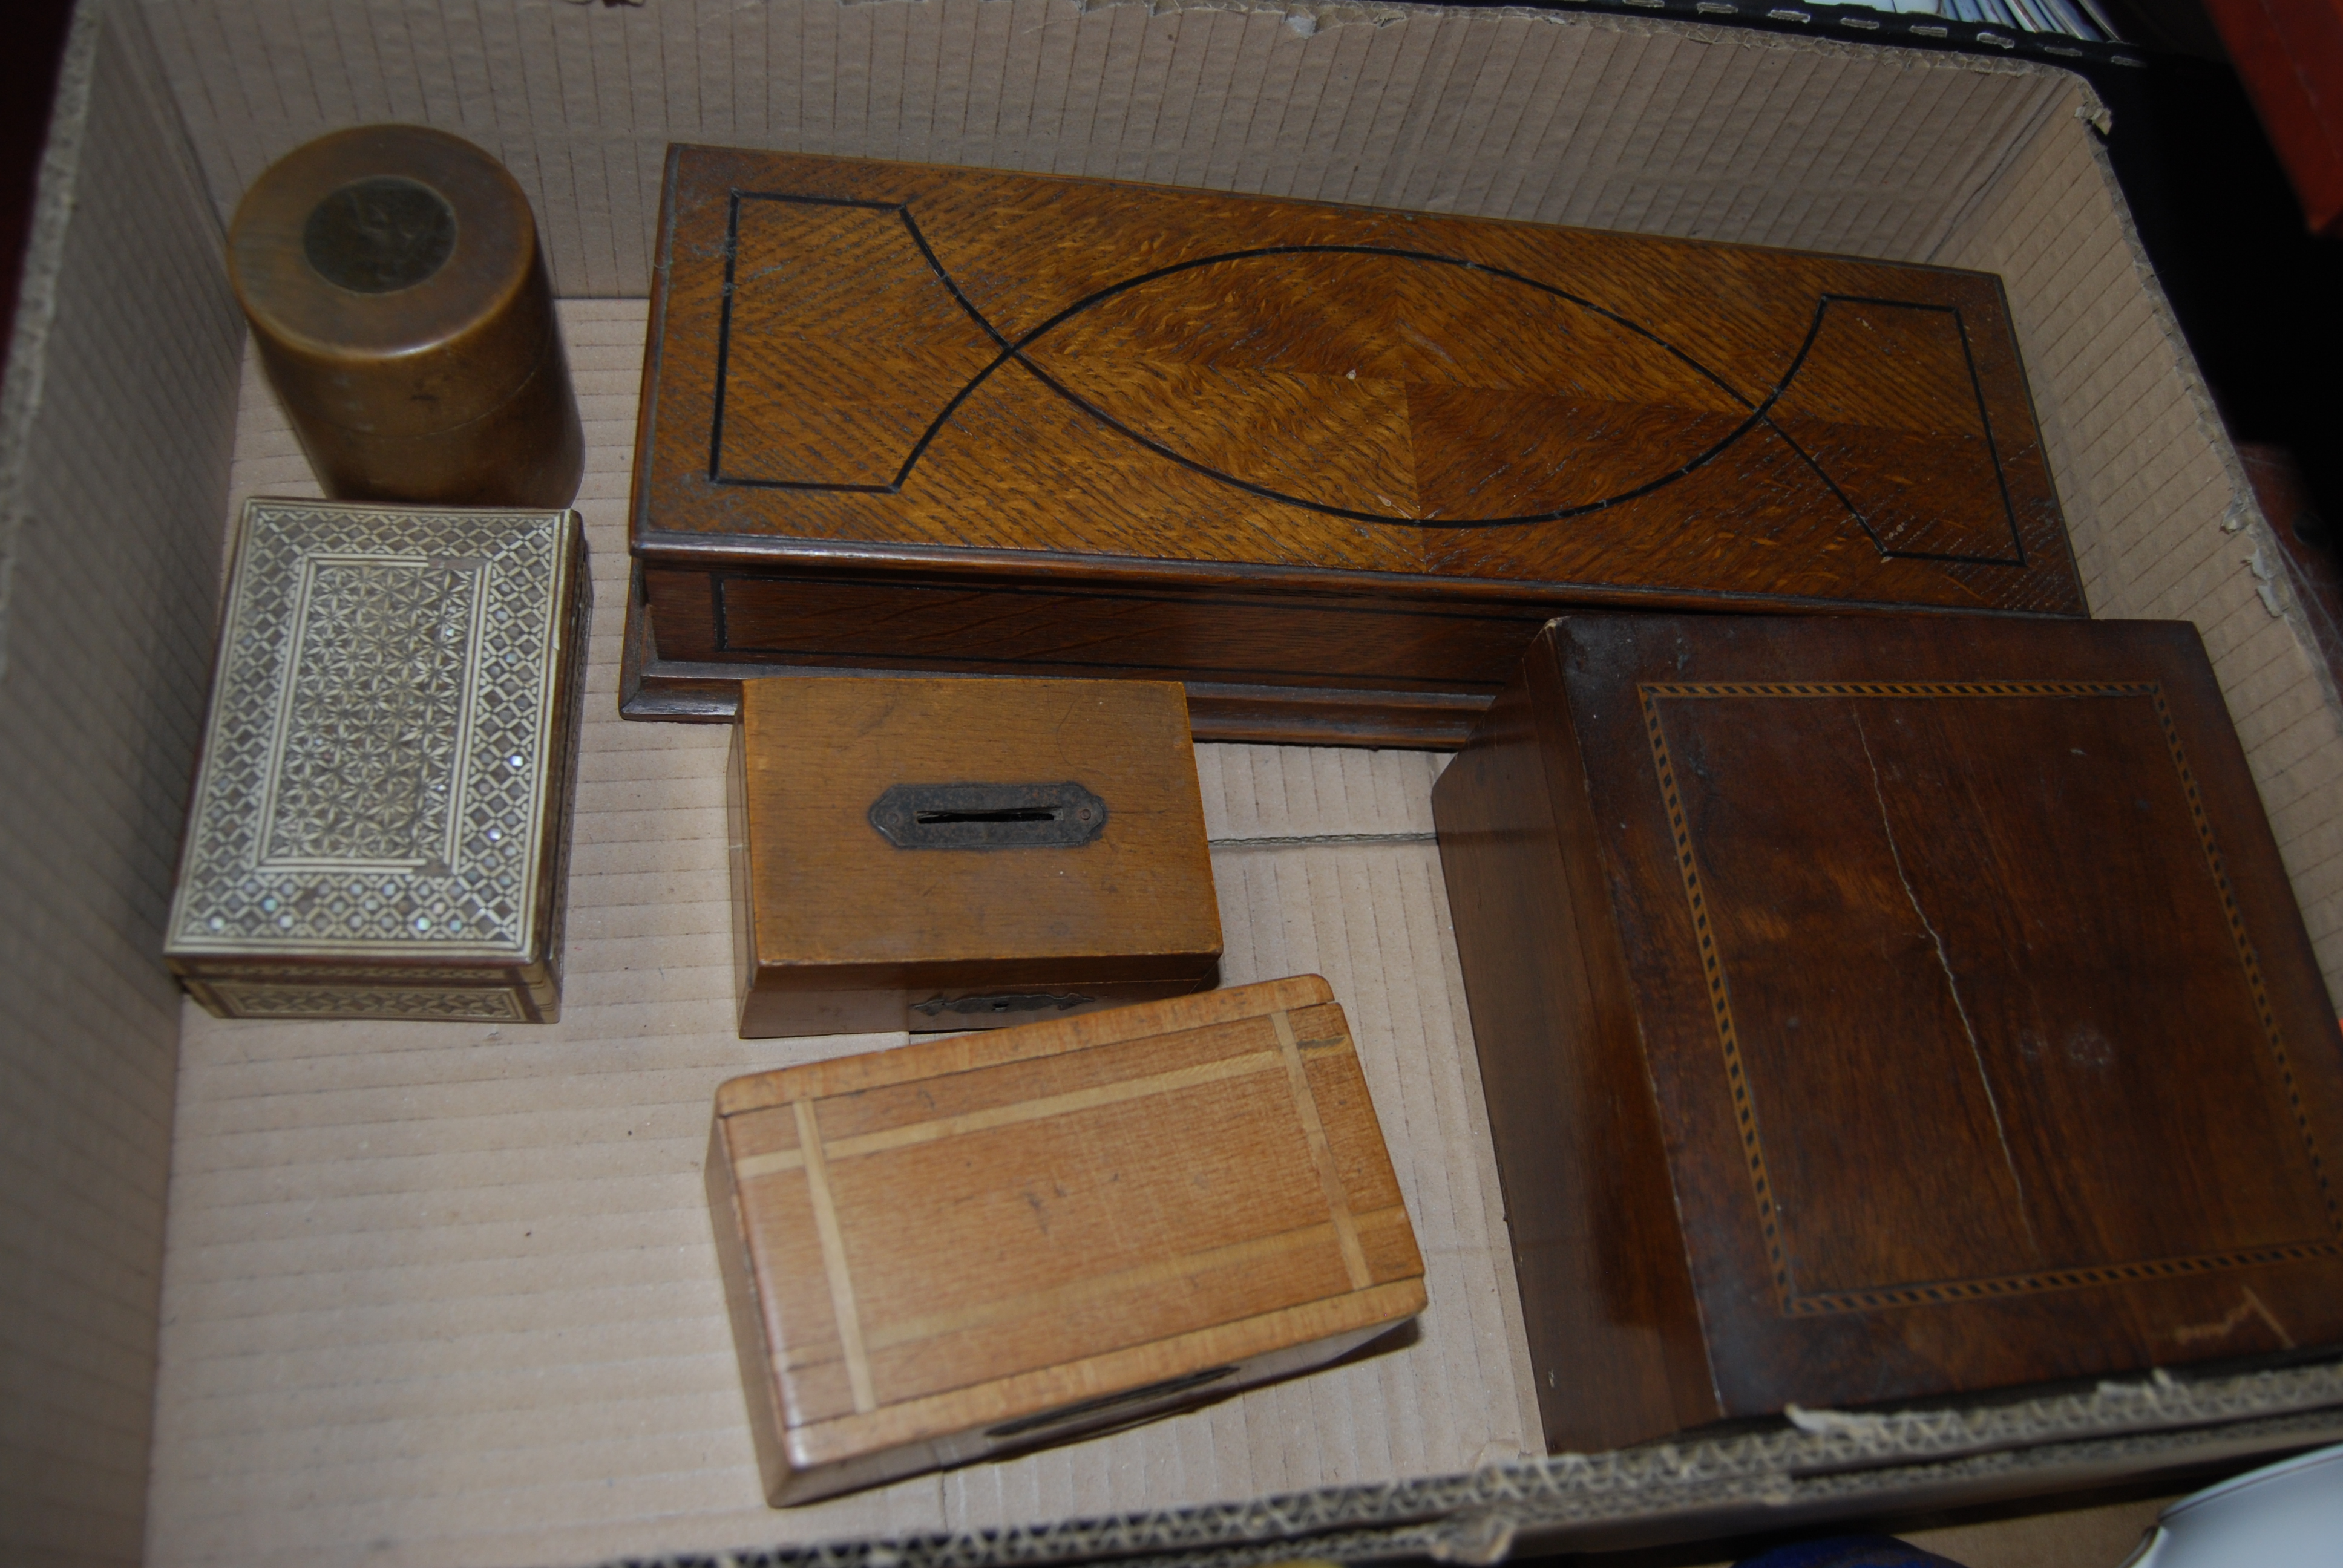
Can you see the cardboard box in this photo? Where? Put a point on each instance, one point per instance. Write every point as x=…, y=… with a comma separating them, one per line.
x=409, y=1294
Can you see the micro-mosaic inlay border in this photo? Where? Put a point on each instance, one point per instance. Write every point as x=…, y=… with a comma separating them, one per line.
x=379, y=745
x=242, y=998
x=1798, y=1303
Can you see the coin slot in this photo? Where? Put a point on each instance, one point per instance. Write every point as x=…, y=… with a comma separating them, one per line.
x=986, y=816
x=1014, y=1001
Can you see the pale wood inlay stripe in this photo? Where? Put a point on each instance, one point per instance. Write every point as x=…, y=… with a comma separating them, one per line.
x=1338, y=1202
x=1080, y=1292
x=771, y=1164
x=833, y=1257
x=1088, y=1098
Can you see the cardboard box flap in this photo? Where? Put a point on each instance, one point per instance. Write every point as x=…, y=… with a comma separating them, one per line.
x=1736, y=134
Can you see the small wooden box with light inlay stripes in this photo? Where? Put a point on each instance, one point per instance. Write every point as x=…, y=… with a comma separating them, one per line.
x=976, y=1245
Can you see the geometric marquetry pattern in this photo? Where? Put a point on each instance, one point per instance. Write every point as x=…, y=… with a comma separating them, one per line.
x=245, y=1000
x=376, y=754
x=371, y=742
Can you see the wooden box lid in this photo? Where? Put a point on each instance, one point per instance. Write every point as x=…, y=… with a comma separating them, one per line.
x=855, y=361
x=845, y=890
x=975, y=1244
x=1873, y=1010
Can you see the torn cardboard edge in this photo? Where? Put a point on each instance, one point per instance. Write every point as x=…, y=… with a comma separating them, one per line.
x=27, y=355
x=1816, y=1464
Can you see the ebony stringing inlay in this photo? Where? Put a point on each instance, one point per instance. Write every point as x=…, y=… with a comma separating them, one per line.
x=871, y=382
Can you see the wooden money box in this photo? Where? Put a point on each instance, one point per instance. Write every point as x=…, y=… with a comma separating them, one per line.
x=1329, y=466
x=950, y=854
x=970, y=1246
x=1877, y=1009
x=380, y=820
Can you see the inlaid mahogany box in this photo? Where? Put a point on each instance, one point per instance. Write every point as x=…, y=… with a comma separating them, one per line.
x=1875, y=1010
x=950, y=854
x=970, y=1246
x=380, y=820
x=1329, y=466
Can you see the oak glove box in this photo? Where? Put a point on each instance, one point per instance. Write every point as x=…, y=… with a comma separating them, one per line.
x=1331, y=467
x=970, y=1246
x=950, y=854
x=1871, y=1012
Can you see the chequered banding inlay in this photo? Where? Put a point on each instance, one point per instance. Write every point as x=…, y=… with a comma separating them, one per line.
x=243, y=1000
x=1936, y=1293
x=1796, y=1303
x=2249, y=959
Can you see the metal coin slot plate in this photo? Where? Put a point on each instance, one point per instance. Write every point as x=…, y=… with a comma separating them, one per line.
x=1064, y=816
x=1012, y=1002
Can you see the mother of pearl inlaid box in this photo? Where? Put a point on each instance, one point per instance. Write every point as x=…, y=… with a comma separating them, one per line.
x=379, y=824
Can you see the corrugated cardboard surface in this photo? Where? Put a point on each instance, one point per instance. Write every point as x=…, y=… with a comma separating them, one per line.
x=449, y=1294
x=115, y=431
x=1606, y=122
x=2158, y=510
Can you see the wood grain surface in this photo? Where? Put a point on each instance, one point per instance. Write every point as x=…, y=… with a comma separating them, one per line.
x=1957, y=963
x=842, y=931
x=396, y=293
x=1008, y=395
x=976, y=1244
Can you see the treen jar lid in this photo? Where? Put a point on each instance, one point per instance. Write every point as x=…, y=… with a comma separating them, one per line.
x=385, y=269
